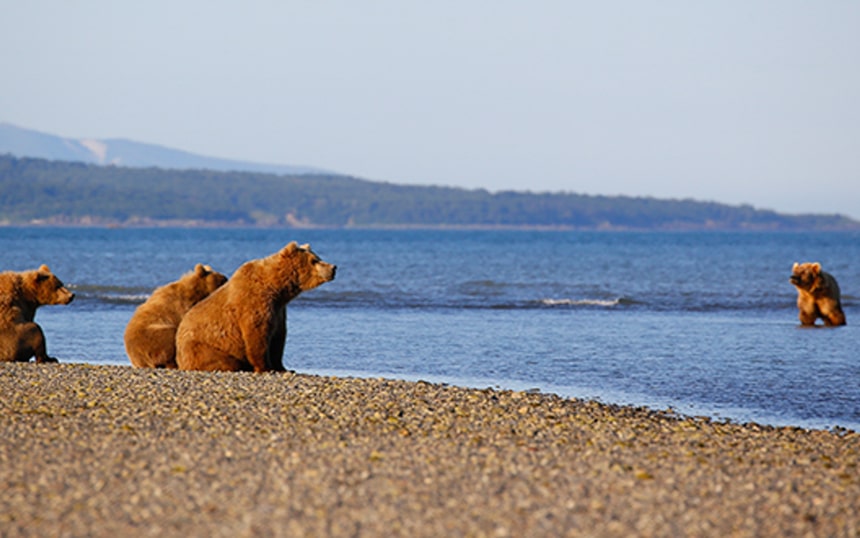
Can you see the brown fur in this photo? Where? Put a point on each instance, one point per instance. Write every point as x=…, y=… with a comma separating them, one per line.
x=150, y=336
x=20, y=295
x=242, y=325
x=817, y=295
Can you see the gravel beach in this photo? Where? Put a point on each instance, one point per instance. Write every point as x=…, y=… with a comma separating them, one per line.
x=115, y=451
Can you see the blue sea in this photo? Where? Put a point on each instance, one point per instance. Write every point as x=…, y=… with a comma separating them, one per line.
x=704, y=324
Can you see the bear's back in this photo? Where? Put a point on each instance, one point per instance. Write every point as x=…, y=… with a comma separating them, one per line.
x=13, y=300
x=829, y=283
x=175, y=299
x=10, y=287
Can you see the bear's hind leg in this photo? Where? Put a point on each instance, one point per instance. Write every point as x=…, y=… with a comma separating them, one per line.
x=200, y=356
x=834, y=318
x=153, y=347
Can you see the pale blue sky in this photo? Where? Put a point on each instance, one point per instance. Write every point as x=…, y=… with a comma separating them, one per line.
x=735, y=101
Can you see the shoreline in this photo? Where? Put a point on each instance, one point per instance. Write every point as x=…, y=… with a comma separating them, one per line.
x=699, y=410
x=702, y=410
x=111, y=450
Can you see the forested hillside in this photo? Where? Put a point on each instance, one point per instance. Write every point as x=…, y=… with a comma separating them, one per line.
x=36, y=191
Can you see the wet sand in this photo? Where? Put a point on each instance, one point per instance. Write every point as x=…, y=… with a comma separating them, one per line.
x=114, y=451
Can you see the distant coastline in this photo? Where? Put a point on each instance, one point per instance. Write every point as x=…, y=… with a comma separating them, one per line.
x=40, y=192
x=204, y=225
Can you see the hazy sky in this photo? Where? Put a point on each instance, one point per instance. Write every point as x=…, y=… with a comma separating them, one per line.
x=735, y=101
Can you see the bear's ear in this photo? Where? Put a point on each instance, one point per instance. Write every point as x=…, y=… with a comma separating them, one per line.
x=306, y=246
x=794, y=267
x=199, y=270
x=289, y=249
x=43, y=273
x=208, y=268
x=816, y=268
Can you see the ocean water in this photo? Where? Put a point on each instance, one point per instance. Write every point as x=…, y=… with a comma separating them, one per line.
x=702, y=323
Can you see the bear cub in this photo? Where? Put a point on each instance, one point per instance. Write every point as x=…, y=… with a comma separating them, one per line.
x=243, y=324
x=20, y=295
x=817, y=295
x=150, y=336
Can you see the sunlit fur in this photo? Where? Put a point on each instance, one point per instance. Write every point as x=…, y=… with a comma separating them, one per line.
x=242, y=325
x=20, y=295
x=150, y=336
x=817, y=295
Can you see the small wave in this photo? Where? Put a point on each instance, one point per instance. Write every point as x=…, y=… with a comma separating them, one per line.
x=605, y=303
x=111, y=294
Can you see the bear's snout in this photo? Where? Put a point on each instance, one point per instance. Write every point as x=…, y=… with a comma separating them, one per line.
x=326, y=272
x=68, y=296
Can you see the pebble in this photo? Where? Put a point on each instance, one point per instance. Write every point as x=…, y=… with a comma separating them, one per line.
x=90, y=450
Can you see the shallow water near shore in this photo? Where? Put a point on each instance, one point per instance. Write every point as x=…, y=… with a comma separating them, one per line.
x=704, y=323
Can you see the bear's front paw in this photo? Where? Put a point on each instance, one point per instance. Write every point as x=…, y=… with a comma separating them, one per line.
x=47, y=360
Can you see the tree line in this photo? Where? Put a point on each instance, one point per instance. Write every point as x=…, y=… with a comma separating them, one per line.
x=34, y=191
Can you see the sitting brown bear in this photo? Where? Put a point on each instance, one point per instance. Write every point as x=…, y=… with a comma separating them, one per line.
x=242, y=325
x=150, y=337
x=20, y=295
x=817, y=295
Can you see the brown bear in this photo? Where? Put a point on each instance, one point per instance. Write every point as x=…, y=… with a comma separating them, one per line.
x=242, y=325
x=150, y=336
x=20, y=295
x=817, y=295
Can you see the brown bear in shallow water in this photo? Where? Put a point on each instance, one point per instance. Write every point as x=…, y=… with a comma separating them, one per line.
x=150, y=336
x=20, y=295
x=817, y=295
x=242, y=325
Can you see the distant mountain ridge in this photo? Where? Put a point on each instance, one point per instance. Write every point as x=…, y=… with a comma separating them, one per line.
x=47, y=179
x=21, y=142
